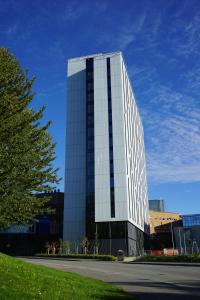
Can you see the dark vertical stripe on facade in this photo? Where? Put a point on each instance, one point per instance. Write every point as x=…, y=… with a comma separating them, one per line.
x=112, y=190
x=90, y=188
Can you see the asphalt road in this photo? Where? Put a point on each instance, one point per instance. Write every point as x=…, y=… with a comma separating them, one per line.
x=149, y=282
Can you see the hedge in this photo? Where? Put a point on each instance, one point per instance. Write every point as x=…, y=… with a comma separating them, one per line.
x=175, y=258
x=87, y=256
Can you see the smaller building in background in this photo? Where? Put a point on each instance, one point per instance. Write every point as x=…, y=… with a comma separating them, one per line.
x=30, y=239
x=187, y=237
x=162, y=226
x=191, y=220
x=161, y=221
x=157, y=205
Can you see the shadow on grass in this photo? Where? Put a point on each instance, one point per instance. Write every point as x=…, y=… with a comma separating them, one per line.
x=117, y=295
x=48, y=258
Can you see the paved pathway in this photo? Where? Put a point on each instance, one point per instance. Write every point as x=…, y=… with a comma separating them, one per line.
x=149, y=282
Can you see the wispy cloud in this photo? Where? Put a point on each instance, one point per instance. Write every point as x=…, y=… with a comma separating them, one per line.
x=124, y=34
x=192, y=78
x=187, y=41
x=11, y=30
x=73, y=10
x=172, y=137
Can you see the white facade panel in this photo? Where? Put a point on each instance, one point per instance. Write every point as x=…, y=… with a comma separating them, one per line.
x=135, y=161
x=102, y=173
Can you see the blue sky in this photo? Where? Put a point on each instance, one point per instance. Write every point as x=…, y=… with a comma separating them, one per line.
x=160, y=41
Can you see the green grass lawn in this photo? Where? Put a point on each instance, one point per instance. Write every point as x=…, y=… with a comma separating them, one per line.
x=25, y=281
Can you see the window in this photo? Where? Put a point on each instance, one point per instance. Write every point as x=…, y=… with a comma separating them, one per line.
x=90, y=132
x=112, y=202
x=90, y=145
x=90, y=119
x=90, y=158
x=90, y=108
x=90, y=172
x=111, y=168
x=110, y=143
x=112, y=182
x=118, y=229
x=90, y=86
x=90, y=98
x=90, y=185
x=89, y=75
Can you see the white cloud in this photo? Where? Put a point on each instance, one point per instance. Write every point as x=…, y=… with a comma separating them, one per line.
x=124, y=34
x=172, y=122
x=187, y=41
x=73, y=10
x=11, y=30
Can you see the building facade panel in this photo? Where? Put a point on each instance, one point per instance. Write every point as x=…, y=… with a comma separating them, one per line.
x=74, y=208
x=102, y=173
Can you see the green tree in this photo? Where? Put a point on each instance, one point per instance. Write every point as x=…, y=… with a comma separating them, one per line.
x=26, y=148
x=66, y=245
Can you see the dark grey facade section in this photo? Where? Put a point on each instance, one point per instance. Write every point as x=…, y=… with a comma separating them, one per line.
x=90, y=163
x=110, y=129
x=118, y=235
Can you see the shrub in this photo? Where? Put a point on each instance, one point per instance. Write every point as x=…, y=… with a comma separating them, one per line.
x=87, y=256
x=175, y=258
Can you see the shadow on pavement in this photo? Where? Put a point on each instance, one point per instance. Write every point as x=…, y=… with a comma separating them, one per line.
x=165, y=291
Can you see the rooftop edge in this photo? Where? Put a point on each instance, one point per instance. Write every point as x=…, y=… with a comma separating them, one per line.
x=98, y=55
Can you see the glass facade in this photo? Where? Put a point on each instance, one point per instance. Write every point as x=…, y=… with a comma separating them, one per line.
x=191, y=220
x=19, y=229
x=90, y=188
x=107, y=230
x=112, y=191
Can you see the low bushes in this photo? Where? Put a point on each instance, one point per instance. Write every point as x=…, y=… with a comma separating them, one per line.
x=88, y=256
x=175, y=258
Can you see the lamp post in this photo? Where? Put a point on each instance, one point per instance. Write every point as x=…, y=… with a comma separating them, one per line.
x=172, y=238
x=180, y=241
x=110, y=238
x=184, y=243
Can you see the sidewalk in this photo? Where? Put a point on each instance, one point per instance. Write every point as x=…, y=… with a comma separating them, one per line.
x=186, y=264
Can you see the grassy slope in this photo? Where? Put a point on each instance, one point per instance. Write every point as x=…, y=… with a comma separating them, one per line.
x=24, y=281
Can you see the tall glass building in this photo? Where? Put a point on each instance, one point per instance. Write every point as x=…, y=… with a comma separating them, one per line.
x=157, y=205
x=105, y=180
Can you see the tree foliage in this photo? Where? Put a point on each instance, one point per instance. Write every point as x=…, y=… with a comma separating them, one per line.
x=26, y=148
